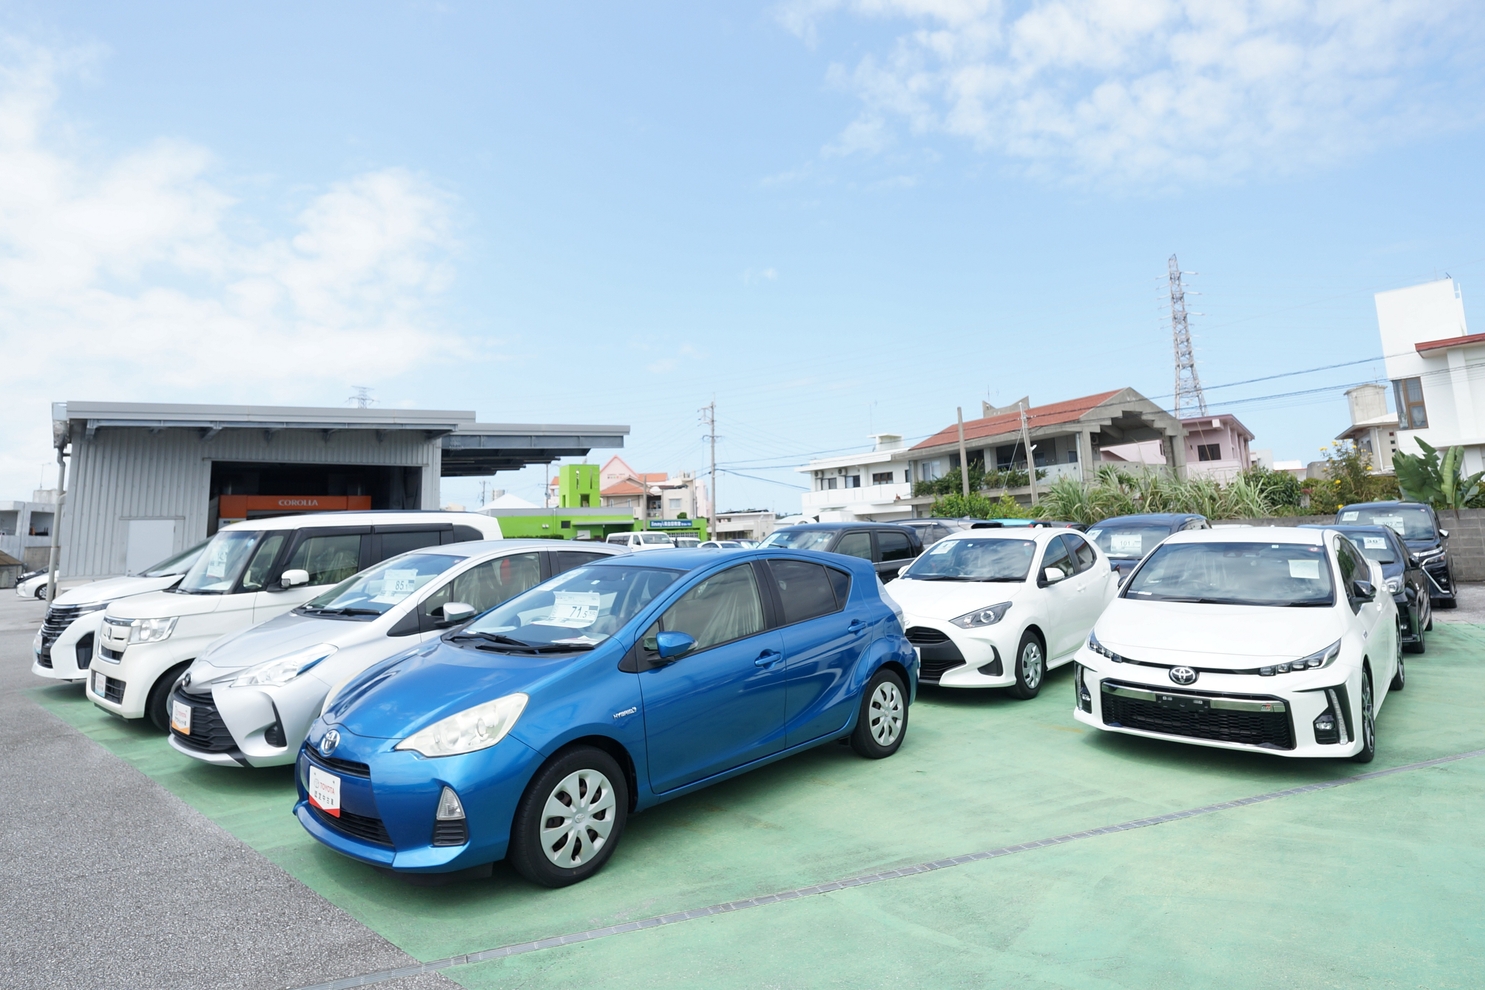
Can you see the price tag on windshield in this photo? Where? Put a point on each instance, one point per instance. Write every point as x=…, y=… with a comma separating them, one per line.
x=1125, y=543
x=1351, y=516
x=1395, y=523
x=1306, y=570
x=1374, y=542
x=573, y=610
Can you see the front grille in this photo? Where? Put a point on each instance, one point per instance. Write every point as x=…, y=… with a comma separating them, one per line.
x=348, y=767
x=454, y=833
x=1271, y=730
x=1439, y=570
x=357, y=826
x=113, y=690
x=58, y=618
x=108, y=654
x=208, y=732
x=45, y=658
x=923, y=636
x=937, y=654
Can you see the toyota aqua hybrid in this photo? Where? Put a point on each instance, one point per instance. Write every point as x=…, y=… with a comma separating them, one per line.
x=65, y=643
x=531, y=733
x=1273, y=640
x=997, y=608
x=249, y=699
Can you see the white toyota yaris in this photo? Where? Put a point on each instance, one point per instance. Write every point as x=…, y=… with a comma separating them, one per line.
x=991, y=608
x=1275, y=640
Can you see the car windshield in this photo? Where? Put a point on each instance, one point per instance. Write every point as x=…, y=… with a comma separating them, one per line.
x=1375, y=546
x=574, y=611
x=377, y=589
x=1128, y=541
x=971, y=559
x=1235, y=574
x=220, y=564
x=654, y=539
x=1411, y=522
x=178, y=564
x=801, y=539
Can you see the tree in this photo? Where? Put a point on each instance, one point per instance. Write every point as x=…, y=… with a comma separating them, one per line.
x=955, y=506
x=1437, y=482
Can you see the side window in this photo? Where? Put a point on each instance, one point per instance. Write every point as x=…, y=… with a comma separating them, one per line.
x=1056, y=556
x=487, y=585
x=328, y=559
x=1082, y=553
x=841, y=582
x=256, y=574
x=402, y=541
x=805, y=589
x=894, y=546
x=1353, y=568
x=566, y=560
x=720, y=609
x=465, y=534
x=855, y=545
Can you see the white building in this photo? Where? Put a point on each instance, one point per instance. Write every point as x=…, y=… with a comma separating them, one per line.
x=26, y=528
x=748, y=524
x=1373, y=428
x=871, y=487
x=1437, y=368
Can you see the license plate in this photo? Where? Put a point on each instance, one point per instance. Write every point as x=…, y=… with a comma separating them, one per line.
x=100, y=684
x=1182, y=702
x=180, y=717
x=324, y=791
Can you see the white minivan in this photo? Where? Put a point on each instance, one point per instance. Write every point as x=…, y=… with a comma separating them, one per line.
x=641, y=541
x=249, y=573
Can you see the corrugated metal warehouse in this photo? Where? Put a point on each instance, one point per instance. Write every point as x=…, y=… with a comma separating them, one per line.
x=149, y=479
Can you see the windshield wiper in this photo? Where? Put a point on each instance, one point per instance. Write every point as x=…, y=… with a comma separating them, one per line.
x=498, y=639
x=347, y=610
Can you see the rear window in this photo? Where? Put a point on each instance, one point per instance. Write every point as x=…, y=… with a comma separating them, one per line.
x=805, y=589
x=654, y=538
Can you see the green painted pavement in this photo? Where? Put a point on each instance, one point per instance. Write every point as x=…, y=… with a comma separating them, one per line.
x=978, y=771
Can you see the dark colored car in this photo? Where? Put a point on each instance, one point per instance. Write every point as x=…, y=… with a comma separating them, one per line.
x=930, y=531
x=888, y=546
x=1404, y=578
x=1125, y=540
x=1418, y=525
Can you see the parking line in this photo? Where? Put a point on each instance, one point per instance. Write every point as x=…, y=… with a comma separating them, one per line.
x=520, y=948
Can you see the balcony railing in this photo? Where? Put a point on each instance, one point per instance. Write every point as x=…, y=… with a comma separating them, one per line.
x=843, y=497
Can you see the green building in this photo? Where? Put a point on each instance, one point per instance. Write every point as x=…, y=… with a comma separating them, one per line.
x=579, y=516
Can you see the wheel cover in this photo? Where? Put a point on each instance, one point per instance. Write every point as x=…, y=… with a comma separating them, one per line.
x=1031, y=664
x=884, y=713
x=1368, y=730
x=577, y=818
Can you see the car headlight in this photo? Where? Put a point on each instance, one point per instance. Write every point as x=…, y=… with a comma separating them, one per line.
x=1424, y=555
x=1316, y=660
x=982, y=616
x=1394, y=585
x=472, y=729
x=282, y=670
x=151, y=630
x=1101, y=650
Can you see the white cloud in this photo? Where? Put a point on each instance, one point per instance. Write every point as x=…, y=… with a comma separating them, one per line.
x=1150, y=89
x=136, y=276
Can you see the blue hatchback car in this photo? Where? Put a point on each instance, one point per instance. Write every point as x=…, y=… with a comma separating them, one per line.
x=533, y=731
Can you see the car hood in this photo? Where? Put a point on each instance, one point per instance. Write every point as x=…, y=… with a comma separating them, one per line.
x=277, y=637
x=1175, y=632
x=399, y=696
x=107, y=590
x=163, y=605
x=950, y=599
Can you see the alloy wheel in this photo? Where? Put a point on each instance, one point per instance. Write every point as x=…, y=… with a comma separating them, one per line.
x=1368, y=728
x=886, y=713
x=577, y=818
x=1031, y=665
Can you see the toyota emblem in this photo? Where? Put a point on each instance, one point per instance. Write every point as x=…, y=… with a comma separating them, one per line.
x=332, y=738
x=1183, y=675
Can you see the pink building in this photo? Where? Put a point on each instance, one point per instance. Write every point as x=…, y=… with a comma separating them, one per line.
x=1216, y=447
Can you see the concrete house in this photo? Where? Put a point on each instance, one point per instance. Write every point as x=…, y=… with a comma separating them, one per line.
x=1217, y=447
x=869, y=486
x=1373, y=428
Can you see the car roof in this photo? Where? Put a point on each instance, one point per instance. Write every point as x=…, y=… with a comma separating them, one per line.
x=842, y=525
x=1387, y=502
x=1013, y=533
x=476, y=548
x=373, y=517
x=1252, y=534
x=1165, y=517
x=1350, y=528
x=696, y=558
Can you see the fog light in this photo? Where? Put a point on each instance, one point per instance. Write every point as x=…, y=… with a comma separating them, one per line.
x=1084, y=699
x=1330, y=725
x=449, y=827
x=449, y=808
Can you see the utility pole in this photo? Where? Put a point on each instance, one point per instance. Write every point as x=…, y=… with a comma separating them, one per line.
x=709, y=417
x=1189, y=399
x=963, y=457
x=1030, y=460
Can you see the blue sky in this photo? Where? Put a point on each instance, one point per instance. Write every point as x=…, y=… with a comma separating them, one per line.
x=833, y=217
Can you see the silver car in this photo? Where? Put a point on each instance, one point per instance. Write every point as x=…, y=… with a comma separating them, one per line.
x=250, y=698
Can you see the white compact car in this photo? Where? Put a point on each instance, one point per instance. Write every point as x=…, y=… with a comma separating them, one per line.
x=250, y=698
x=64, y=645
x=248, y=573
x=641, y=541
x=990, y=608
x=1275, y=640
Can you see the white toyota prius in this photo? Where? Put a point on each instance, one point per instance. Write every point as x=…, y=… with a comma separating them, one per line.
x=998, y=608
x=1274, y=640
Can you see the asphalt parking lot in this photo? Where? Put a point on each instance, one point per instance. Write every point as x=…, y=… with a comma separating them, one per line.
x=1004, y=845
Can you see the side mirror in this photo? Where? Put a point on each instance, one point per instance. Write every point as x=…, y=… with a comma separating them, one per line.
x=673, y=645
x=1053, y=574
x=456, y=612
x=1363, y=591
x=1443, y=534
x=293, y=578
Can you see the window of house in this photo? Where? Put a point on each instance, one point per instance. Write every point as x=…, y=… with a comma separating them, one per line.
x=881, y=477
x=1411, y=412
x=1209, y=452
x=830, y=484
x=853, y=481
x=675, y=504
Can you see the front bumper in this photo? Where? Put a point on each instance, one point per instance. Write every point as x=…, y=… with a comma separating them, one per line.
x=136, y=670
x=1440, y=582
x=962, y=658
x=1274, y=715
x=251, y=726
x=66, y=643
x=388, y=801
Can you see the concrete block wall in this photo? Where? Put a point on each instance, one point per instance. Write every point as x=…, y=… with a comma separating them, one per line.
x=1466, y=537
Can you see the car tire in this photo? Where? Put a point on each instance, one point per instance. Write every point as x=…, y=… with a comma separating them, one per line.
x=552, y=848
x=1421, y=646
x=1367, y=726
x=882, y=721
x=41, y=593
x=1031, y=667
x=157, y=703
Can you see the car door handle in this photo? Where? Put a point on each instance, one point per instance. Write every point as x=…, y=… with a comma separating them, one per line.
x=768, y=658
x=856, y=627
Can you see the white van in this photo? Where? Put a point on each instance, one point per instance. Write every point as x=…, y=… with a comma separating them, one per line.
x=248, y=573
x=640, y=541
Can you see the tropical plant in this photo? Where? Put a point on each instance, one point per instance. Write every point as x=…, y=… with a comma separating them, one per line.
x=977, y=506
x=1439, y=482
x=1280, y=490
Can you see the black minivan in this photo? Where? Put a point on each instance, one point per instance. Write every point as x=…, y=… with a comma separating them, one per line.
x=888, y=546
x=1418, y=525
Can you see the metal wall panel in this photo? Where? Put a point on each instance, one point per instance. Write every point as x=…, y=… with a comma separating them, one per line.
x=133, y=473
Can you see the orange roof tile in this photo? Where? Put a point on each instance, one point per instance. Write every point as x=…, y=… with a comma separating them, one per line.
x=626, y=487
x=1048, y=415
